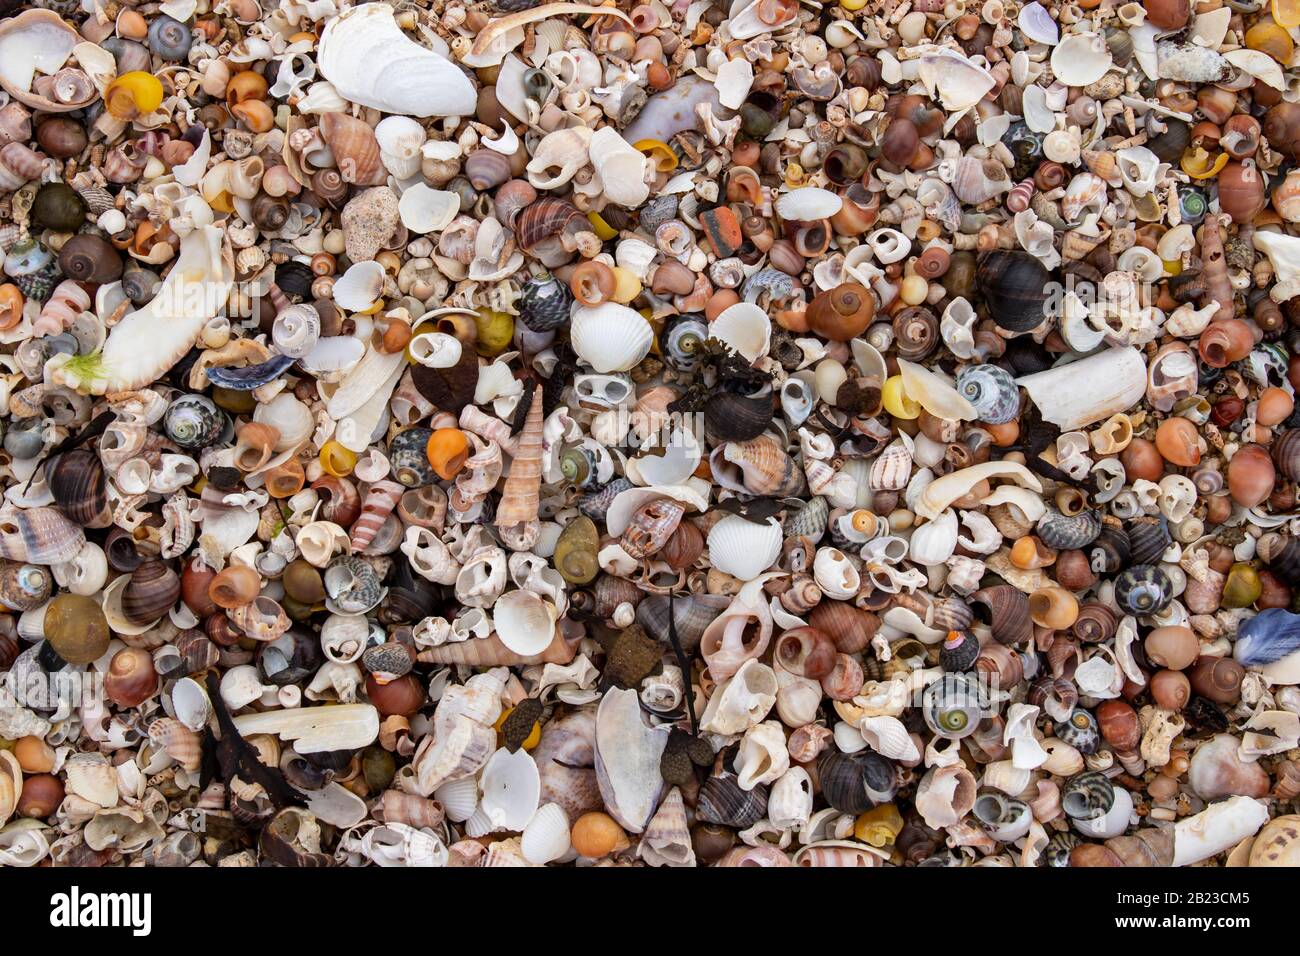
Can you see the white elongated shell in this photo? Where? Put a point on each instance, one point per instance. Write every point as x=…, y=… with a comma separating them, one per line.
x=1081, y=58
x=546, y=838
x=744, y=327
x=888, y=737
x=621, y=168
x=942, y=492
x=609, y=337
x=512, y=788
x=316, y=729
x=423, y=209
x=1259, y=65
x=1218, y=827
x=808, y=204
x=1116, y=380
x=370, y=61
x=742, y=548
x=524, y=622
x=933, y=393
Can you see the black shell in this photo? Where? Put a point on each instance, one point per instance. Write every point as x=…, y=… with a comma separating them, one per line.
x=1143, y=589
x=959, y=651
x=1015, y=287
x=76, y=480
x=1067, y=532
x=250, y=376
x=292, y=657
x=854, y=783
x=294, y=279
x=732, y=417
x=1148, y=537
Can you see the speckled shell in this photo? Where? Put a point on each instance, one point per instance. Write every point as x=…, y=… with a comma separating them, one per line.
x=1143, y=589
x=409, y=458
x=352, y=586
x=1087, y=796
x=544, y=303
x=24, y=587
x=1065, y=532
x=596, y=504
x=992, y=391
x=808, y=520
x=575, y=551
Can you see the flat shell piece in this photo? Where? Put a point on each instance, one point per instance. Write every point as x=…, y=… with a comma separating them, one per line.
x=317, y=729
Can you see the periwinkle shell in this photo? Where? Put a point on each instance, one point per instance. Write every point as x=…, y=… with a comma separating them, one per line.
x=409, y=459
x=1080, y=731
x=854, y=783
x=194, y=422
x=992, y=391
x=1066, y=532
x=1087, y=796
x=1015, y=286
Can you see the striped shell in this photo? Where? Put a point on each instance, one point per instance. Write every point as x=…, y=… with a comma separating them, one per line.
x=1148, y=538
x=651, y=526
x=379, y=503
x=992, y=391
x=1066, y=532
x=1020, y=196
x=891, y=470
x=807, y=521
x=1087, y=796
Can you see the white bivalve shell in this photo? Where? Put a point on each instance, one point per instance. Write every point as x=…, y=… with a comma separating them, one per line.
x=743, y=549
x=512, y=788
x=609, y=337
x=525, y=622
x=370, y=61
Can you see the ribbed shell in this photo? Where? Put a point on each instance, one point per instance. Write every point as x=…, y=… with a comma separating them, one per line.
x=596, y=504
x=544, y=303
x=722, y=801
x=520, y=496
x=808, y=521
x=380, y=500
x=1066, y=532
x=854, y=783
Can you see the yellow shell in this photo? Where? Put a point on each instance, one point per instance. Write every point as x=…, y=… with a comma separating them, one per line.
x=1271, y=39
x=626, y=285
x=337, y=460
x=879, y=826
x=603, y=230
x=1287, y=13
x=1198, y=163
x=660, y=154
x=133, y=94
x=896, y=401
x=495, y=330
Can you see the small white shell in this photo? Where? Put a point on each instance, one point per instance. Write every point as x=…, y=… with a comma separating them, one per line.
x=511, y=789
x=744, y=327
x=935, y=541
x=358, y=288
x=808, y=204
x=423, y=210
x=835, y=574
x=525, y=622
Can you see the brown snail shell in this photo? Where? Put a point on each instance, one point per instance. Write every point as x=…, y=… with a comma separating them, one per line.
x=1006, y=610
x=842, y=313
x=76, y=480
x=152, y=591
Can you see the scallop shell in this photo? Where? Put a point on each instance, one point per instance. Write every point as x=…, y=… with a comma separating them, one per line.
x=743, y=549
x=546, y=838
x=610, y=337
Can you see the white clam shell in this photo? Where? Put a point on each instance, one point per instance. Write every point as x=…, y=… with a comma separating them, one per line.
x=546, y=838
x=1081, y=58
x=459, y=799
x=525, y=622
x=742, y=548
x=358, y=288
x=609, y=337
x=511, y=789
x=1116, y=378
x=369, y=60
x=954, y=80
x=744, y=327
x=423, y=209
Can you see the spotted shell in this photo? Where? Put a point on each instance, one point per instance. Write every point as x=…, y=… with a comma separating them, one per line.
x=992, y=391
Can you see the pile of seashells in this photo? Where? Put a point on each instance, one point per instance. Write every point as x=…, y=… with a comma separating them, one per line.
x=725, y=432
